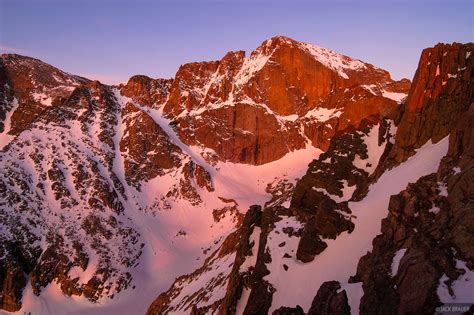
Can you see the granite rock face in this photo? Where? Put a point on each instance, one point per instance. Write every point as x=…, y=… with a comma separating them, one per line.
x=255, y=110
x=441, y=93
x=146, y=91
x=28, y=87
x=329, y=301
x=149, y=151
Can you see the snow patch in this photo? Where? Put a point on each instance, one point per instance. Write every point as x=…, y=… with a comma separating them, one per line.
x=443, y=189
x=290, y=117
x=396, y=260
x=5, y=138
x=398, y=97
x=252, y=259
x=463, y=287
x=434, y=210
x=347, y=192
x=323, y=114
x=42, y=98
x=371, y=88
x=333, y=60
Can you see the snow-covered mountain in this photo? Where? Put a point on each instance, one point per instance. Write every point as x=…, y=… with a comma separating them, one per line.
x=246, y=185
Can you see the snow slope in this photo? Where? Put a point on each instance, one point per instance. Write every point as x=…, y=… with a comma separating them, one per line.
x=5, y=138
x=339, y=260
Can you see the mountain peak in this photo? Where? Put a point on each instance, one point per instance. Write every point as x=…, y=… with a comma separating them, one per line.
x=9, y=56
x=325, y=56
x=291, y=81
x=280, y=40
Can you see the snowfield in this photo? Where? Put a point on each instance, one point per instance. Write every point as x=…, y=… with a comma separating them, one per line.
x=339, y=260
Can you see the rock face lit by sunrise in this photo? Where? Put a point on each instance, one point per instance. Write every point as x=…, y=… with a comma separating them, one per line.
x=288, y=179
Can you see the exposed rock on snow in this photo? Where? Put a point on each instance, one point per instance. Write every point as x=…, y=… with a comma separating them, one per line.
x=330, y=300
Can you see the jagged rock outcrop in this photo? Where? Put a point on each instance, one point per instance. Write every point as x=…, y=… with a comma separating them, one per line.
x=194, y=177
x=339, y=175
x=404, y=270
x=246, y=247
x=147, y=91
x=147, y=149
x=441, y=92
x=261, y=291
x=328, y=301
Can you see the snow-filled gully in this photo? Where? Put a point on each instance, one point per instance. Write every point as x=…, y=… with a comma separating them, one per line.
x=339, y=260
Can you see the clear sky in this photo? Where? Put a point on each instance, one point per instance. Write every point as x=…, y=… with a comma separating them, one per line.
x=113, y=40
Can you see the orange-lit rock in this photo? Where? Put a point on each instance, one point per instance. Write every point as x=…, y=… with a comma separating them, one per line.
x=255, y=110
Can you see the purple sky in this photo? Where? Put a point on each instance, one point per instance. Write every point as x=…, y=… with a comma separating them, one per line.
x=113, y=40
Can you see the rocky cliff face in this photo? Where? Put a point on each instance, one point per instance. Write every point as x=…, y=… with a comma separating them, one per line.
x=256, y=109
x=441, y=93
x=147, y=91
x=147, y=149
